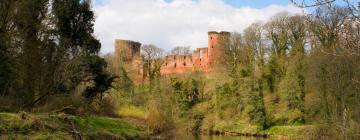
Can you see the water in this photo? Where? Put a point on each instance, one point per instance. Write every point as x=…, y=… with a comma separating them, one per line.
x=214, y=137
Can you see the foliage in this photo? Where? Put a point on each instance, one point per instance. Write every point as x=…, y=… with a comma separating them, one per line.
x=60, y=127
x=48, y=49
x=186, y=92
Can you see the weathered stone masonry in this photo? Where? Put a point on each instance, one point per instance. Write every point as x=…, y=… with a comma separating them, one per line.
x=127, y=53
x=202, y=59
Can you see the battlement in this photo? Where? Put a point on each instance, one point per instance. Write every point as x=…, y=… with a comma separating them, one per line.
x=216, y=45
x=202, y=59
x=177, y=64
x=127, y=54
x=221, y=32
x=127, y=49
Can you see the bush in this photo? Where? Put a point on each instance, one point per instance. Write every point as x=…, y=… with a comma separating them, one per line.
x=159, y=118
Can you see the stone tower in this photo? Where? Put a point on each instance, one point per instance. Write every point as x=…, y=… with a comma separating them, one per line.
x=216, y=44
x=127, y=55
x=127, y=50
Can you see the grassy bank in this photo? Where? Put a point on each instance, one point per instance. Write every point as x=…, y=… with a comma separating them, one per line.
x=276, y=132
x=44, y=126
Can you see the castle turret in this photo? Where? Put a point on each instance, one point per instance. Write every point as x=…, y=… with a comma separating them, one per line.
x=127, y=50
x=127, y=54
x=216, y=44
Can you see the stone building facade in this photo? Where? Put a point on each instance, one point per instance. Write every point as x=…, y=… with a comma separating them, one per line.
x=202, y=59
x=127, y=55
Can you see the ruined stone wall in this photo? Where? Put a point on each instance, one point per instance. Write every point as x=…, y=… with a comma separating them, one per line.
x=203, y=59
x=200, y=59
x=177, y=64
x=216, y=46
x=127, y=55
x=127, y=50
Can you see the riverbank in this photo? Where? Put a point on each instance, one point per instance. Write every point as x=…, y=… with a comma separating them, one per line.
x=275, y=132
x=218, y=128
x=60, y=126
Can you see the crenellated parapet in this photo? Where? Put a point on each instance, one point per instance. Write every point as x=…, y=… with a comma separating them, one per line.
x=202, y=59
x=127, y=55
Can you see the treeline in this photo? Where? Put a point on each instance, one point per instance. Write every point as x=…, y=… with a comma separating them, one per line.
x=293, y=70
x=49, y=56
x=308, y=67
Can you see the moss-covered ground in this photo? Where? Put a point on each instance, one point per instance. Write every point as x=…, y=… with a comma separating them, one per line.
x=60, y=126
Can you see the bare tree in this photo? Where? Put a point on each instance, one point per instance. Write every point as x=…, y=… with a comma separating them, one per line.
x=326, y=24
x=253, y=38
x=278, y=33
x=233, y=53
x=352, y=6
x=180, y=50
x=152, y=57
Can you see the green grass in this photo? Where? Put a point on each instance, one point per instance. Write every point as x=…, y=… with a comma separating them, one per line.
x=132, y=111
x=43, y=126
x=291, y=130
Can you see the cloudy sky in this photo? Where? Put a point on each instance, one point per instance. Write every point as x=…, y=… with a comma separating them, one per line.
x=171, y=23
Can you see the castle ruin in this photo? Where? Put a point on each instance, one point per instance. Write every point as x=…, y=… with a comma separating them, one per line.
x=202, y=59
x=127, y=55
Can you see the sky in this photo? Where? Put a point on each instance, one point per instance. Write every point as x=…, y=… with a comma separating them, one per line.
x=170, y=23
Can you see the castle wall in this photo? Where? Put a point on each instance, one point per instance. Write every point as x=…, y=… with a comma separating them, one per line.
x=216, y=46
x=127, y=50
x=127, y=55
x=177, y=64
x=202, y=59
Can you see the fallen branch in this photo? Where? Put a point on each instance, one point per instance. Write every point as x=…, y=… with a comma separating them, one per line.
x=76, y=134
x=64, y=109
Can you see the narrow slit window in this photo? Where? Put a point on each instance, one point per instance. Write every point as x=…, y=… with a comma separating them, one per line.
x=200, y=54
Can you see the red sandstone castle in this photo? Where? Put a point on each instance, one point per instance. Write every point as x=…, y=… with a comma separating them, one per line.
x=202, y=59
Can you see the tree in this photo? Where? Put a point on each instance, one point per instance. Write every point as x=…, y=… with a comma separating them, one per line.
x=6, y=35
x=48, y=48
x=351, y=5
x=186, y=92
x=332, y=71
x=180, y=50
x=244, y=57
x=293, y=84
x=253, y=38
x=101, y=80
x=29, y=22
x=74, y=22
x=152, y=61
x=277, y=32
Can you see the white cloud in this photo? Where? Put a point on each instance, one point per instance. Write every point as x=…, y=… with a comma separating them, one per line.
x=179, y=23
